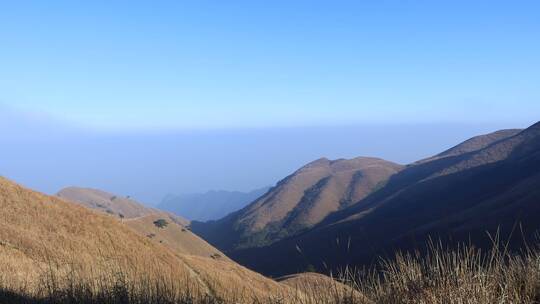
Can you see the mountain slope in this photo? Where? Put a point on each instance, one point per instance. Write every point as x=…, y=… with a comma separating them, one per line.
x=38, y=232
x=211, y=205
x=123, y=207
x=474, y=144
x=172, y=233
x=326, y=288
x=178, y=238
x=298, y=202
x=456, y=198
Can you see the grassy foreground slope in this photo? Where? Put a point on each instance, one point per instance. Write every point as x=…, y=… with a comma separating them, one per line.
x=44, y=238
x=55, y=252
x=160, y=227
x=174, y=236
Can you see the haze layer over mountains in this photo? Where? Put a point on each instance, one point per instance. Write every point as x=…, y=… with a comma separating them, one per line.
x=148, y=165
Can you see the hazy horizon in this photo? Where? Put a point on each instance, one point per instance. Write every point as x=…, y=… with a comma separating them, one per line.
x=48, y=155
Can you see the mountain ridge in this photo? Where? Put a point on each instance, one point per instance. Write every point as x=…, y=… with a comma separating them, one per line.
x=455, y=198
x=298, y=202
x=123, y=207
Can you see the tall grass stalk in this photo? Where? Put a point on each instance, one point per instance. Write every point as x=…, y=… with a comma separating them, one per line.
x=440, y=276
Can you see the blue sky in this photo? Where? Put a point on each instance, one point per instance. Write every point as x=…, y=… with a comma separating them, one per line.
x=145, y=98
x=132, y=65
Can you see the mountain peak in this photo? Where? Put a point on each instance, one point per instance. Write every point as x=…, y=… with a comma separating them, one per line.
x=323, y=161
x=301, y=200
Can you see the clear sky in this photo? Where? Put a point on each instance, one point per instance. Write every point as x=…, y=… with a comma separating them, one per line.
x=219, y=64
x=152, y=97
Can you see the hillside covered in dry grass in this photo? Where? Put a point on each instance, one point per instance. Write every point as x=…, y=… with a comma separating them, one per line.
x=45, y=238
x=56, y=252
x=162, y=228
x=486, y=184
x=53, y=250
x=176, y=237
x=123, y=207
x=298, y=202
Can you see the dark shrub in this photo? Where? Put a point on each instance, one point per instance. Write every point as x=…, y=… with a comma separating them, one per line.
x=161, y=223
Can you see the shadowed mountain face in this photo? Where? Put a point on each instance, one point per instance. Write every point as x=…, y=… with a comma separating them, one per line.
x=211, y=205
x=298, y=202
x=457, y=196
x=123, y=207
x=474, y=144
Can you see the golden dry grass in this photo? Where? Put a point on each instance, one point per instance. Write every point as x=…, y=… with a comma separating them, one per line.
x=52, y=251
x=343, y=188
x=454, y=276
x=463, y=276
x=323, y=289
x=42, y=235
x=176, y=237
x=114, y=204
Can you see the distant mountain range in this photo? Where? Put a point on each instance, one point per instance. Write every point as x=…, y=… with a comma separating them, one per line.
x=488, y=184
x=210, y=205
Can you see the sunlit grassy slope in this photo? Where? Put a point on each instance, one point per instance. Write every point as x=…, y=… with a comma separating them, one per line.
x=52, y=251
x=39, y=233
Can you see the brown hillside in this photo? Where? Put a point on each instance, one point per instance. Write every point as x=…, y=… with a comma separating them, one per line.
x=299, y=202
x=113, y=204
x=464, y=198
x=176, y=237
x=474, y=144
x=325, y=287
x=40, y=232
x=35, y=228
